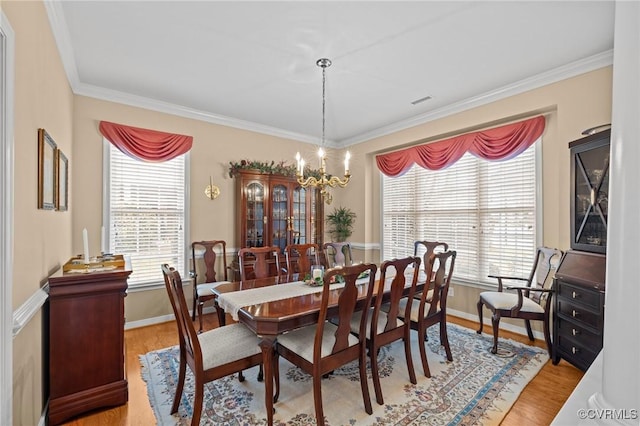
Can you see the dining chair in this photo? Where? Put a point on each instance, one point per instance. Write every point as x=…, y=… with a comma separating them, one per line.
x=432, y=308
x=388, y=324
x=321, y=348
x=429, y=247
x=203, y=292
x=532, y=302
x=210, y=355
x=339, y=252
x=300, y=257
x=259, y=262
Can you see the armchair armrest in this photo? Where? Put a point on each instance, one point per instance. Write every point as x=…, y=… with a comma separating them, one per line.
x=501, y=277
x=520, y=290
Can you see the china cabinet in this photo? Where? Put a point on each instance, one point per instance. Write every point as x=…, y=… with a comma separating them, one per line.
x=273, y=210
x=589, y=192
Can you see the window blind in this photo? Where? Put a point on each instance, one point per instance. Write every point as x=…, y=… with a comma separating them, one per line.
x=486, y=211
x=146, y=214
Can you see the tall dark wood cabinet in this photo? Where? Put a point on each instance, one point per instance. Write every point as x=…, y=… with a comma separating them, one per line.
x=86, y=341
x=580, y=278
x=273, y=210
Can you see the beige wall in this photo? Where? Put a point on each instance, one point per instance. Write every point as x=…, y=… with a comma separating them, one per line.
x=42, y=239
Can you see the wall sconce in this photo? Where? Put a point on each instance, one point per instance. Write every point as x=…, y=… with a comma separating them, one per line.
x=211, y=191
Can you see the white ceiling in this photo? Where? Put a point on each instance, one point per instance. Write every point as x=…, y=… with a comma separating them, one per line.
x=252, y=64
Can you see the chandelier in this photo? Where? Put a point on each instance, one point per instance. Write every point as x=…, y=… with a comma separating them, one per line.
x=324, y=181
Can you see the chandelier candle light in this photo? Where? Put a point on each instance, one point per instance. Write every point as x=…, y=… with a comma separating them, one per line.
x=324, y=181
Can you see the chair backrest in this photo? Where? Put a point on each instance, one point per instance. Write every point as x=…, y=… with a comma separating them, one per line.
x=209, y=257
x=255, y=262
x=347, y=302
x=187, y=333
x=300, y=257
x=407, y=267
x=339, y=252
x=439, y=269
x=545, y=259
x=429, y=248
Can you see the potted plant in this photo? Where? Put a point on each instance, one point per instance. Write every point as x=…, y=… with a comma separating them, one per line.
x=340, y=223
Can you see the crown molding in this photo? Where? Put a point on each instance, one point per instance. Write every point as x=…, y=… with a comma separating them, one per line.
x=573, y=69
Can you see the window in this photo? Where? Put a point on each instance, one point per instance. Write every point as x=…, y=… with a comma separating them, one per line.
x=486, y=211
x=146, y=213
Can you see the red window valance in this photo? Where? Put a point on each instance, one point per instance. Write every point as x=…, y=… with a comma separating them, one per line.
x=499, y=143
x=144, y=144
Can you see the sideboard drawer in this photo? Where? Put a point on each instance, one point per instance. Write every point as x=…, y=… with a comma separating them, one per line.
x=581, y=295
x=576, y=332
x=581, y=356
x=579, y=313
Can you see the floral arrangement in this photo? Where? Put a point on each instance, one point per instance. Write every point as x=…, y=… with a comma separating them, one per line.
x=271, y=168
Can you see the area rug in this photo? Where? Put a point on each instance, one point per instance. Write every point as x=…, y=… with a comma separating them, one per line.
x=477, y=388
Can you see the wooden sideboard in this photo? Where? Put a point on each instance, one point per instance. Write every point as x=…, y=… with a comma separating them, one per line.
x=578, y=322
x=86, y=341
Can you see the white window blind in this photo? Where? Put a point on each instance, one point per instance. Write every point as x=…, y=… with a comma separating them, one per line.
x=486, y=211
x=146, y=214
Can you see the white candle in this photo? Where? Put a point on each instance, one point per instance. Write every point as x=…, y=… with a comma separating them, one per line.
x=346, y=162
x=317, y=273
x=103, y=246
x=301, y=167
x=85, y=244
x=321, y=155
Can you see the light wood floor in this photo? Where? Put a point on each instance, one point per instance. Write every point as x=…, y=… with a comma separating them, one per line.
x=537, y=405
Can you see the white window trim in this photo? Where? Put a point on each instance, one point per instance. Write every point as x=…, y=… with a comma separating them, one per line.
x=539, y=214
x=106, y=213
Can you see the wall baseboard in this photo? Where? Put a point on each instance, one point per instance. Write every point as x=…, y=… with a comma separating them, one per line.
x=128, y=325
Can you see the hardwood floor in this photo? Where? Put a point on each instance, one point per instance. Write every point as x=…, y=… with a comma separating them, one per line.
x=553, y=384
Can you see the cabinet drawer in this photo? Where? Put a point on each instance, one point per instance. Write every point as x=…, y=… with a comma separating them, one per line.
x=580, y=314
x=578, y=334
x=581, y=295
x=579, y=355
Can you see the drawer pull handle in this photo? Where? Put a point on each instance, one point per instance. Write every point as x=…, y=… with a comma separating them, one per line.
x=574, y=313
x=574, y=295
x=574, y=332
x=574, y=350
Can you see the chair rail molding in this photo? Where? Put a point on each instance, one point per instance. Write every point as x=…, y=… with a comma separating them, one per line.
x=7, y=65
x=29, y=308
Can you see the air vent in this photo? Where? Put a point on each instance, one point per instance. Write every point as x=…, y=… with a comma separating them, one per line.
x=417, y=101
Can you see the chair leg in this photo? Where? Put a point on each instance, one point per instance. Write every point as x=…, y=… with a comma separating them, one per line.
x=317, y=399
x=181, y=375
x=407, y=353
x=495, y=321
x=197, y=401
x=364, y=385
x=547, y=335
x=195, y=301
x=422, y=333
x=444, y=338
x=527, y=324
x=200, y=306
x=480, y=303
x=261, y=373
x=375, y=374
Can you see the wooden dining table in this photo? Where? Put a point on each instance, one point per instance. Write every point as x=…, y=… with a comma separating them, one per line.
x=271, y=318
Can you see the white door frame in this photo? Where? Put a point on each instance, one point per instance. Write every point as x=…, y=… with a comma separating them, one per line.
x=7, y=65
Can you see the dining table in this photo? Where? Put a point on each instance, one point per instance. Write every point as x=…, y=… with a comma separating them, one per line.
x=275, y=305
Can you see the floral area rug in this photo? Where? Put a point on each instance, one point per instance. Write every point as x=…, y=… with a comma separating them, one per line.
x=477, y=388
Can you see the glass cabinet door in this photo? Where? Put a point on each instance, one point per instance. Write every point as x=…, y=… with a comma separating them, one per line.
x=280, y=221
x=299, y=216
x=255, y=215
x=590, y=171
